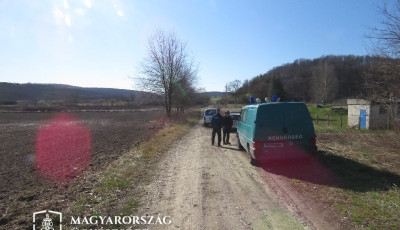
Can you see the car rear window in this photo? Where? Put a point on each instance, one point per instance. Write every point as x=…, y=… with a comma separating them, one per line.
x=210, y=112
x=235, y=117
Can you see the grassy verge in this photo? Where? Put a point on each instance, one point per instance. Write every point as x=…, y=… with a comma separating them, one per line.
x=368, y=169
x=366, y=164
x=117, y=189
x=328, y=120
x=215, y=99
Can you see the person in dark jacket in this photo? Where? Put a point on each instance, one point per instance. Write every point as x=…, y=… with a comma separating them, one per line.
x=216, y=124
x=228, y=122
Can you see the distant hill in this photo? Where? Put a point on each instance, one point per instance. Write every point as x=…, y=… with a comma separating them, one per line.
x=329, y=78
x=36, y=92
x=215, y=93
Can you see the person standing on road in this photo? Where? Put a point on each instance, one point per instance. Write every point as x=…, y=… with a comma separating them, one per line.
x=228, y=122
x=216, y=124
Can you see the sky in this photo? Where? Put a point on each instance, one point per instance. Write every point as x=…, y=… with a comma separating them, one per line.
x=100, y=43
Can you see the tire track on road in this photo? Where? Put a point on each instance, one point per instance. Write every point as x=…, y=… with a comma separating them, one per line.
x=207, y=187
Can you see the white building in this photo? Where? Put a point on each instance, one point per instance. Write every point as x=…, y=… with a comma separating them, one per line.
x=368, y=114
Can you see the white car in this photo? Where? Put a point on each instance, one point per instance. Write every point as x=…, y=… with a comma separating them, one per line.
x=235, y=117
x=207, y=115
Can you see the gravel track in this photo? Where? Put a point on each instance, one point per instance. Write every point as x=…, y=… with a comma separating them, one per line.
x=208, y=187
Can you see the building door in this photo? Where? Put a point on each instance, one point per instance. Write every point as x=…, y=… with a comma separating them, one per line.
x=363, y=119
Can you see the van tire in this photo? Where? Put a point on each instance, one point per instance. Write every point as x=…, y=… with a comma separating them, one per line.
x=251, y=159
x=238, y=142
x=253, y=162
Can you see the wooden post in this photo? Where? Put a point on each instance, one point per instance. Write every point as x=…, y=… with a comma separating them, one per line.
x=341, y=119
x=388, y=122
x=328, y=119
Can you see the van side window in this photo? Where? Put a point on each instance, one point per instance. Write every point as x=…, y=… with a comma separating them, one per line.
x=244, y=115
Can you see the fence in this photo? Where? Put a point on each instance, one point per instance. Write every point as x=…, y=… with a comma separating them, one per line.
x=329, y=117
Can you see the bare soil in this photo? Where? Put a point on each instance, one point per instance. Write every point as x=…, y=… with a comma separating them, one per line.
x=23, y=191
x=199, y=185
x=208, y=187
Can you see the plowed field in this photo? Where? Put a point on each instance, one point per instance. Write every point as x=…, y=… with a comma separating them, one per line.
x=27, y=143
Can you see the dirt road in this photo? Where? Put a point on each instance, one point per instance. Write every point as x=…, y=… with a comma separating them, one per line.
x=208, y=187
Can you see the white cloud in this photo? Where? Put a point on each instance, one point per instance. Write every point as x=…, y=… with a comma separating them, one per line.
x=80, y=11
x=120, y=13
x=70, y=39
x=88, y=3
x=67, y=20
x=59, y=15
x=66, y=6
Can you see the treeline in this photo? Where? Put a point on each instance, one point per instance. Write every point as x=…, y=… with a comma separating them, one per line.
x=36, y=92
x=327, y=78
x=54, y=97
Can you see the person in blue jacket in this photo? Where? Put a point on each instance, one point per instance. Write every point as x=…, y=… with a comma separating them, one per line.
x=228, y=122
x=216, y=124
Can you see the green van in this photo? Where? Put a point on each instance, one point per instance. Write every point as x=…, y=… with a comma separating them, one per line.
x=276, y=130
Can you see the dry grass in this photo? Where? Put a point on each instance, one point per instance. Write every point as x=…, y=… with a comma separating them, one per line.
x=117, y=190
x=367, y=165
x=380, y=150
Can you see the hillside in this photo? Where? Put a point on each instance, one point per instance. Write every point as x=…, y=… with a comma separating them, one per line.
x=33, y=97
x=50, y=92
x=215, y=93
x=326, y=78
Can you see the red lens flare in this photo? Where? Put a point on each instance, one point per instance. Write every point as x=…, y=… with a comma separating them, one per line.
x=63, y=148
x=294, y=162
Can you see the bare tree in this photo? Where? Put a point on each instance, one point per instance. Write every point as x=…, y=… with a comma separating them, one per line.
x=383, y=74
x=233, y=88
x=382, y=85
x=167, y=66
x=325, y=83
x=382, y=78
x=184, y=91
x=386, y=36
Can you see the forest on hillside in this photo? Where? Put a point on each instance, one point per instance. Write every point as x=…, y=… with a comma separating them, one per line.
x=49, y=97
x=327, y=78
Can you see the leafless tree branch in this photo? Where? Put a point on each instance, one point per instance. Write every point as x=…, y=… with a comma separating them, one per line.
x=167, y=70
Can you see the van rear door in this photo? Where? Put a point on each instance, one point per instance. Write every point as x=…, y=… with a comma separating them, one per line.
x=299, y=127
x=283, y=128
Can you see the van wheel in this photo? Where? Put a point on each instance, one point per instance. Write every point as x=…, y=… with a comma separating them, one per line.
x=238, y=142
x=251, y=159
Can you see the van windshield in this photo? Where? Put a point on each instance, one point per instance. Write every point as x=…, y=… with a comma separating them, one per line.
x=210, y=112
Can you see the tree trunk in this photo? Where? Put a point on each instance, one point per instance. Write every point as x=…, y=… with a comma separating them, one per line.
x=169, y=107
x=166, y=105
